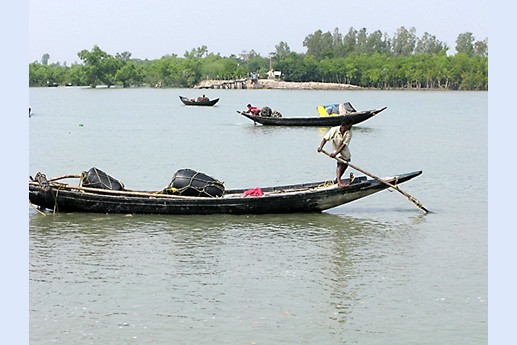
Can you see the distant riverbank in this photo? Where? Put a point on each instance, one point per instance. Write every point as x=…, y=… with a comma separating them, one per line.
x=279, y=84
x=272, y=84
x=286, y=85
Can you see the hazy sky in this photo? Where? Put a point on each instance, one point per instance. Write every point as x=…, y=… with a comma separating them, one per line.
x=154, y=28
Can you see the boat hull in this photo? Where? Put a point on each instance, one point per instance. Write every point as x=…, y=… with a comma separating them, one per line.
x=324, y=121
x=311, y=197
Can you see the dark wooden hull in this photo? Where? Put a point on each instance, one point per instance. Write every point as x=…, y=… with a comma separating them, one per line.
x=188, y=101
x=324, y=121
x=308, y=197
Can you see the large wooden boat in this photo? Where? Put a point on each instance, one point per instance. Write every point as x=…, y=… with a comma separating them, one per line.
x=324, y=121
x=194, y=101
x=57, y=196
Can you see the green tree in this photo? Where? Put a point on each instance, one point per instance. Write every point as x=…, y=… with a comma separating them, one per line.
x=259, y=64
x=99, y=67
x=196, y=53
x=465, y=44
x=124, y=56
x=319, y=44
x=77, y=75
x=290, y=66
x=337, y=42
x=349, y=43
x=41, y=75
x=130, y=74
x=377, y=43
x=110, y=66
x=166, y=72
x=282, y=50
x=404, y=41
x=428, y=44
x=481, y=48
x=44, y=59
x=362, y=42
x=38, y=74
x=217, y=67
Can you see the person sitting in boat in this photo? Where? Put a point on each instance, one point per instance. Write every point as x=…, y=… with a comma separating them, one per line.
x=253, y=110
x=202, y=98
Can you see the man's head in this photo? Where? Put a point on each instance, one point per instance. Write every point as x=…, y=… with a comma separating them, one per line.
x=346, y=123
x=346, y=120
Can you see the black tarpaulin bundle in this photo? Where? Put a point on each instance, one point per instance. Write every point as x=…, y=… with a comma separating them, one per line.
x=189, y=182
x=96, y=178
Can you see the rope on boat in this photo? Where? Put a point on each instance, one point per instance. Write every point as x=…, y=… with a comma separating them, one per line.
x=55, y=200
x=327, y=183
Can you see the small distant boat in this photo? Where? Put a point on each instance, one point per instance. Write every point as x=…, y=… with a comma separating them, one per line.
x=49, y=84
x=202, y=102
x=325, y=121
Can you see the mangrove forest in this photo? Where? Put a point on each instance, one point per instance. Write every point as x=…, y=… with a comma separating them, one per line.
x=368, y=60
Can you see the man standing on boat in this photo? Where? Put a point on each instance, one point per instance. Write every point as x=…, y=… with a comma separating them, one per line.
x=340, y=137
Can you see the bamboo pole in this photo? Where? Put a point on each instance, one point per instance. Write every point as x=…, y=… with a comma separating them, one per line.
x=413, y=200
x=114, y=192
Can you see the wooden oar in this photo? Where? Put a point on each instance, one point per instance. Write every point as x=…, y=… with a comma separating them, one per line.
x=413, y=200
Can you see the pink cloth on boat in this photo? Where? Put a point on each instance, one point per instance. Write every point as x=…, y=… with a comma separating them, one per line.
x=253, y=192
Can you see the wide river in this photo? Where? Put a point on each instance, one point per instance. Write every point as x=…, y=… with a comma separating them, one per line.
x=375, y=271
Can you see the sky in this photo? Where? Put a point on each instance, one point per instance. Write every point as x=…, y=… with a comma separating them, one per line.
x=150, y=29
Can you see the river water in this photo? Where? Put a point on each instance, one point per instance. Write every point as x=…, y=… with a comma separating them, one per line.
x=374, y=271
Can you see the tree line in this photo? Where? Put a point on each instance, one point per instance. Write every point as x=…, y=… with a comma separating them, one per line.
x=371, y=60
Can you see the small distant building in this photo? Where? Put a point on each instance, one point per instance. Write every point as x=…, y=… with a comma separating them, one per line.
x=274, y=74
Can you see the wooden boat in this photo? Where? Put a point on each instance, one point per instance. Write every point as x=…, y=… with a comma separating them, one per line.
x=330, y=120
x=307, y=197
x=193, y=101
